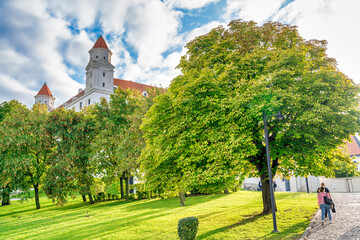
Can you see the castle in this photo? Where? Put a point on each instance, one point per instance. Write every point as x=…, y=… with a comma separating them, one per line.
x=100, y=81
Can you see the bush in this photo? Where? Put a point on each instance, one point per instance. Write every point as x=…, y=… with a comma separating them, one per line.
x=187, y=228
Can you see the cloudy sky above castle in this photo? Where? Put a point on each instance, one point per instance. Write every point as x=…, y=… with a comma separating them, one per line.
x=48, y=41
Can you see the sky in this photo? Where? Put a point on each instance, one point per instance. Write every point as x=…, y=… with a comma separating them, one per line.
x=48, y=40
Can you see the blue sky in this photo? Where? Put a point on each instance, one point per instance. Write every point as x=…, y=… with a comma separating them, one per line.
x=48, y=40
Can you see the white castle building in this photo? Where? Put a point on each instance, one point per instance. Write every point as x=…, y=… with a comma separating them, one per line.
x=100, y=81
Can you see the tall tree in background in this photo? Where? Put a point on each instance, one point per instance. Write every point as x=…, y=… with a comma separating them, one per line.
x=24, y=136
x=119, y=141
x=72, y=167
x=7, y=181
x=210, y=123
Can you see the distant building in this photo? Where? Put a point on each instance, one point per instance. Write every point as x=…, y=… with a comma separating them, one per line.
x=100, y=81
x=353, y=148
x=44, y=96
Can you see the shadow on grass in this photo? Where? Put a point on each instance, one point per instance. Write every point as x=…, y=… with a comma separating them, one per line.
x=250, y=219
x=286, y=232
x=172, y=203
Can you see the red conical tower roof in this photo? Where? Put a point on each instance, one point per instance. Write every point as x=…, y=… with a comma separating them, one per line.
x=44, y=91
x=100, y=43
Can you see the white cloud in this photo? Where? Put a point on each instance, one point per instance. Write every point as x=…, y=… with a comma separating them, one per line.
x=13, y=89
x=32, y=43
x=333, y=20
x=77, y=50
x=256, y=10
x=189, y=4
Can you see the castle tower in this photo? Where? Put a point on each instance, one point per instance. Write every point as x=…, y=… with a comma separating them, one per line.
x=100, y=71
x=44, y=96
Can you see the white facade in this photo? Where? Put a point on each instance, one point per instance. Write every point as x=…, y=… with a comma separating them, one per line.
x=45, y=99
x=294, y=184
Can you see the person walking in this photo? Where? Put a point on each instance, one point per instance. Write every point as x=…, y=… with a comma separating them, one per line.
x=323, y=206
x=327, y=191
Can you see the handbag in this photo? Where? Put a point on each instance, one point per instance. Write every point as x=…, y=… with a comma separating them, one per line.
x=328, y=200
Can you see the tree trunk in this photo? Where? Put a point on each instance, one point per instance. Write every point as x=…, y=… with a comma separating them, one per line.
x=226, y=191
x=37, y=200
x=122, y=187
x=5, y=196
x=127, y=188
x=182, y=198
x=266, y=197
x=83, y=197
x=91, y=198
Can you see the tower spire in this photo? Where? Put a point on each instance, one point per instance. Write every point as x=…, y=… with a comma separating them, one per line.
x=44, y=96
x=100, y=43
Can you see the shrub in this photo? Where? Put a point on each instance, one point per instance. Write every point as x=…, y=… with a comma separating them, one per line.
x=187, y=228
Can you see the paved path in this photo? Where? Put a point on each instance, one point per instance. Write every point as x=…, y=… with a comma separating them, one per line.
x=346, y=220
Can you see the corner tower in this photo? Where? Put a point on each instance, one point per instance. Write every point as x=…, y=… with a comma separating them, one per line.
x=100, y=71
x=44, y=96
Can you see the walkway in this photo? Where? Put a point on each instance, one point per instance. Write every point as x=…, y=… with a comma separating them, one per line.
x=346, y=220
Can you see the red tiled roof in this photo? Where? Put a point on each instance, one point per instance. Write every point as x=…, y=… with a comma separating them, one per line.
x=353, y=147
x=81, y=93
x=44, y=91
x=100, y=43
x=124, y=84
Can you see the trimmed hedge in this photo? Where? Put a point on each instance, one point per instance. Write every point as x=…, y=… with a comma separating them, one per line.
x=187, y=228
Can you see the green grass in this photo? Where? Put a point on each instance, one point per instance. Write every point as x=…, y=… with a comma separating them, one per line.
x=231, y=216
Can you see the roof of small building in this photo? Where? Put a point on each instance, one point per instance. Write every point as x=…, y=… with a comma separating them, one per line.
x=353, y=146
x=44, y=91
x=123, y=84
x=100, y=43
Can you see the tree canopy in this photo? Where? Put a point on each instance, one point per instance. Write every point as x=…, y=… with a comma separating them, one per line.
x=209, y=125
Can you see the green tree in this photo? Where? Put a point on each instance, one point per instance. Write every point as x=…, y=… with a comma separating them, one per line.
x=72, y=168
x=209, y=125
x=119, y=141
x=7, y=181
x=28, y=145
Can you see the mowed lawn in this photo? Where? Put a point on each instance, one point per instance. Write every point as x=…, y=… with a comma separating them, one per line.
x=221, y=216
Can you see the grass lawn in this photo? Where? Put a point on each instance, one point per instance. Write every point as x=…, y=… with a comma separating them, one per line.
x=230, y=216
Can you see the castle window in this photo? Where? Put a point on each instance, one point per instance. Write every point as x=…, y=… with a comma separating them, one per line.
x=97, y=56
x=104, y=57
x=40, y=101
x=90, y=85
x=91, y=74
x=103, y=84
x=145, y=94
x=89, y=101
x=103, y=74
x=45, y=101
x=80, y=105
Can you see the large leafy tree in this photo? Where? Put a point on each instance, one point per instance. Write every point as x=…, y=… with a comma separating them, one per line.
x=7, y=181
x=27, y=145
x=119, y=141
x=209, y=125
x=72, y=167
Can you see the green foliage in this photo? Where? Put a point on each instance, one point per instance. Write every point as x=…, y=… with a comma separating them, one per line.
x=72, y=167
x=119, y=141
x=208, y=127
x=25, y=145
x=187, y=228
x=345, y=169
